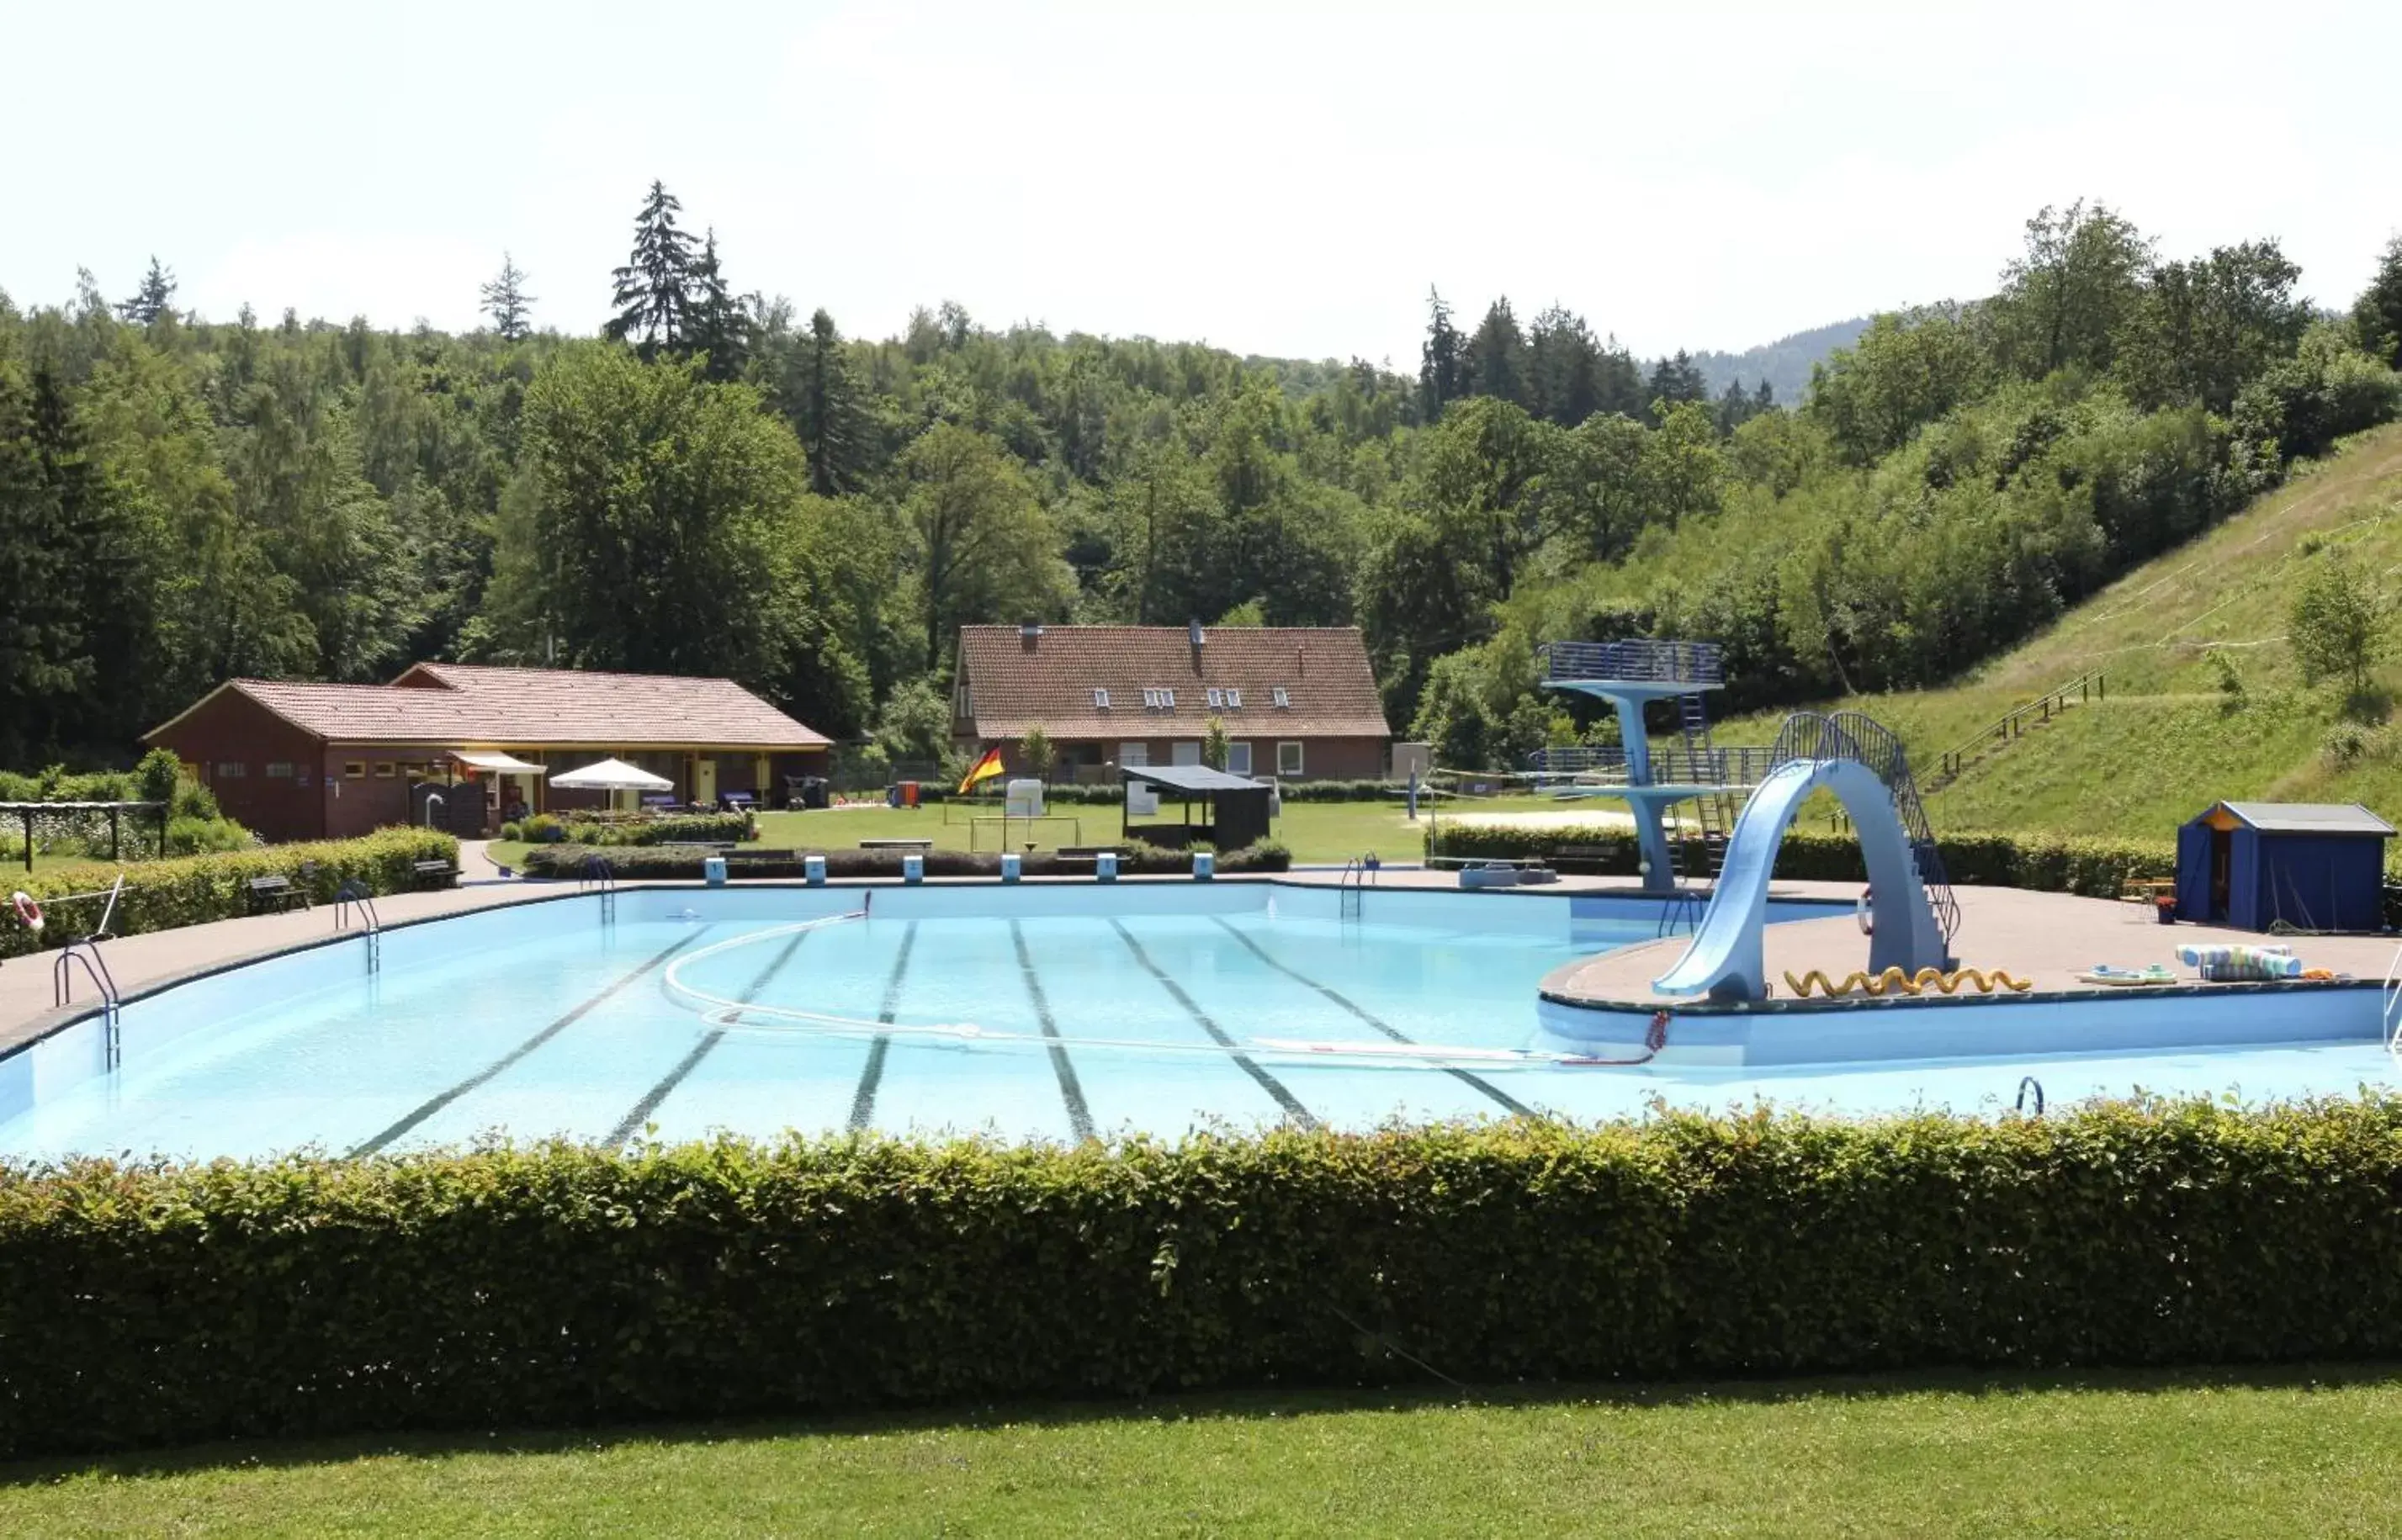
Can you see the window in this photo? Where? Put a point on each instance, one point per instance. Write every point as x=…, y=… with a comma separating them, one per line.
x=1280, y=697
x=1159, y=700
x=1239, y=758
x=384, y=769
x=1217, y=698
x=279, y=769
x=1185, y=753
x=962, y=704
x=354, y=769
x=231, y=769
x=1137, y=754
x=1234, y=699
x=1288, y=758
x=1100, y=700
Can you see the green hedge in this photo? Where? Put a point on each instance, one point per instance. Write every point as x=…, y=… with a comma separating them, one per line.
x=561, y=1285
x=656, y=865
x=2050, y=863
x=190, y=889
x=674, y=829
x=1291, y=790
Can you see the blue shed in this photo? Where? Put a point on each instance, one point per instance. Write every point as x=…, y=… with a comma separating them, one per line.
x=2316, y=866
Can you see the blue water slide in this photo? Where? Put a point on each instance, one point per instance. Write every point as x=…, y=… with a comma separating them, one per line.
x=1724, y=960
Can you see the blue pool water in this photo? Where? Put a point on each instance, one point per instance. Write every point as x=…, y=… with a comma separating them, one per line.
x=1035, y=1012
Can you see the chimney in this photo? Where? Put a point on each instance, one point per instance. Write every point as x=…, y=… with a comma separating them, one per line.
x=1028, y=633
x=1192, y=635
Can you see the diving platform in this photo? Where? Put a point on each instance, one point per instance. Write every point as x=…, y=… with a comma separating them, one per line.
x=1631, y=675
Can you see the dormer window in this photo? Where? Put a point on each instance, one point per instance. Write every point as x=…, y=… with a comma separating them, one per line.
x=1100, y=700
x=1279, y=697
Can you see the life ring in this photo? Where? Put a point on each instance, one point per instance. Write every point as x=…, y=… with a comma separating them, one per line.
x=1864, y=910
x=27, y=910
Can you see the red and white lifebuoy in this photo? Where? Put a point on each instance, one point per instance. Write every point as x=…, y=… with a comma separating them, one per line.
x=27, y=910
x=1864, y=910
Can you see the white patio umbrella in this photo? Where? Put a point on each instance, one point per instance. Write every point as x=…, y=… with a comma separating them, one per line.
x=613, y=776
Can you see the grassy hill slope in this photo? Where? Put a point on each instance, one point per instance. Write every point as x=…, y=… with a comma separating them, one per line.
x=2167, y=738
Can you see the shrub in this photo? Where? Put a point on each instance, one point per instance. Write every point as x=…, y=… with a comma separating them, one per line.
x=679, y=829
x=190, y=889
x=662, y=865
x=565, y=1285
x=2092, y=866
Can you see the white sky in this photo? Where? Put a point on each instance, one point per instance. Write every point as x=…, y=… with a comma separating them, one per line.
x=1282, y=179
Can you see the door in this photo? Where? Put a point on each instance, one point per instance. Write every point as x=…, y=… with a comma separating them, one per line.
x=2222, y=871
x=704, y=781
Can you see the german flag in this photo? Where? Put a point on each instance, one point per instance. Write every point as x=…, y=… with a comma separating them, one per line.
x=984, y=770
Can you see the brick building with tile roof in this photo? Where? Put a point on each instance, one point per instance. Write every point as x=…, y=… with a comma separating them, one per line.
x=299, y=761
x=1298, y=702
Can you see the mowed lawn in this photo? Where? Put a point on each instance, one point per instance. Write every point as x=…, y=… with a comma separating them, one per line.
x=2118, y=1455
x=1316, y=832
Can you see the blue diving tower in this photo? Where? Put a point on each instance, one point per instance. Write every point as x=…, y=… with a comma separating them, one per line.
x=1650, y=780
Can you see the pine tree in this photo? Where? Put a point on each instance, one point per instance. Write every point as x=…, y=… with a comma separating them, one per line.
x=1441, y=376
x=1497, y=356
x=719, y=330
x=824, y=399
x=654, y=289
x=150, y=302
x=507, y=303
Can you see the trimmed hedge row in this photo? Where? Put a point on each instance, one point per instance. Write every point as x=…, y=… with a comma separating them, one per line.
x=658, y=865
x=2096, y=868
x=564, y=1285
x=1291, y=790
x=673, y=829
x=191, y=889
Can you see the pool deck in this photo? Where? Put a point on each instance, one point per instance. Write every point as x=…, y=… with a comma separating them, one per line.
x=2044, y=937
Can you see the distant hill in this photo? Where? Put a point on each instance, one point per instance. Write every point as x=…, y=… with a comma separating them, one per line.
x=1784, y=362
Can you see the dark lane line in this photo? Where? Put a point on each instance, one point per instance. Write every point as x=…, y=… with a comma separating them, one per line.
x=1397, y=1035
x=1071, y=1090
x=1293, y=1110
x=862, y=1101
x=634, y=1123
x=437, y=1104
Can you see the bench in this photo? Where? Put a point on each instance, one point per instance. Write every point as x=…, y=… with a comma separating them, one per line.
x=437, y=872
x=275, y=893
x=1086, y=855
x=921, y=846
x=1594, y=855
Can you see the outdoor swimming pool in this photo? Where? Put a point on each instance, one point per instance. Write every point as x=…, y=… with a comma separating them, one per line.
x=1040, y=1011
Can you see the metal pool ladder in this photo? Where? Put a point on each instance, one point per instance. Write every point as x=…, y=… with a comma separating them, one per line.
x=597, y=872
x=1352, y=893
x=353, y=895
x=85, y=952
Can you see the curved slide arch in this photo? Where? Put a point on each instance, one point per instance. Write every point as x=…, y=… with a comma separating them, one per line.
x=1724, y=960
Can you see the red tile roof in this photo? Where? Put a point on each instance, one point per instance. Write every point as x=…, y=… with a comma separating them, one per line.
x=456, y=704
x=1014, y=684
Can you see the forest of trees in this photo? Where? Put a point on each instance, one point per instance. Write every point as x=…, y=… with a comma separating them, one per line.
x=720, y=485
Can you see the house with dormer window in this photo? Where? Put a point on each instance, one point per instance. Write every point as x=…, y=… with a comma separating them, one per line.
x=1299, y=702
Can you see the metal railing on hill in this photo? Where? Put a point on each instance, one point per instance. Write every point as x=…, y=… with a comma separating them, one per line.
x=2015, y=723
x=1636, y=662
x=1851, y=736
